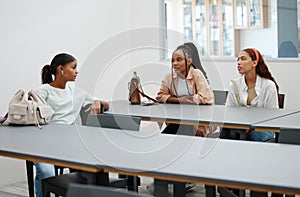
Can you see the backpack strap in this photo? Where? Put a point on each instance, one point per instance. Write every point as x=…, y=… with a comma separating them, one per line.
x=236, y=92
x=3, y=119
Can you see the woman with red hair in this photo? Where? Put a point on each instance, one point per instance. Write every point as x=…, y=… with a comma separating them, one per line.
x=256, y=87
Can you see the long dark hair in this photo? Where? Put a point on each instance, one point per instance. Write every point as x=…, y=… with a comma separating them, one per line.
x=261, y=68
x=192, y=52
x=189, y=51
x=49, y=70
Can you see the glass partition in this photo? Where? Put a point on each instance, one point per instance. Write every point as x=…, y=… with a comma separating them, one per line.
x=255, y=13
x=214, y=28
x=201, y=36
x=188, y=19
x=241, y=18
x=228, y=28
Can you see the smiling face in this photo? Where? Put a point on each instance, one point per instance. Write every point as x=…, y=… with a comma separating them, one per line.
x=70, y=71
x=245, y=63
x=179, y=62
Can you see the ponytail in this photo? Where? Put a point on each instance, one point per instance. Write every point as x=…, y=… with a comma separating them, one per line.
x=46, y=74
x=58, y=60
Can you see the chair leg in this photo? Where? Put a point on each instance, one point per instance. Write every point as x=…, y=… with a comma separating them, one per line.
x=258, y=194
x=210, y=191
x=30, y=178
x=59, y=170
x=178, y=189
x=133, y=183
x=45, y=191
x=161, y=187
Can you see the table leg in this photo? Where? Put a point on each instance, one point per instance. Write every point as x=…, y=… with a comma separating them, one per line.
x=178, y=189
x=133, y=183
x=102, y=178
x=30, y=181
x=210, y=191
x=161, y=187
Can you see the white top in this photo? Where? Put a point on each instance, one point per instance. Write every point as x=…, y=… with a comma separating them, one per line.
x=66, y=103
x=265, y=89
x=182, y=88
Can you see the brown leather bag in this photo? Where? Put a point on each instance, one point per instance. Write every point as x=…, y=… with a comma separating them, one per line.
x=134, y=93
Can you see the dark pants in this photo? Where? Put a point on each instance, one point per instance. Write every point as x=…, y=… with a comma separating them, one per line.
x=179, y=129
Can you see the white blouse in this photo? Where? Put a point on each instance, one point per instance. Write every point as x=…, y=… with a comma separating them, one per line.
x=265, y=89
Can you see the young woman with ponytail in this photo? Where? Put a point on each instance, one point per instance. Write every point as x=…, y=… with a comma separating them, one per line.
x=66, y=101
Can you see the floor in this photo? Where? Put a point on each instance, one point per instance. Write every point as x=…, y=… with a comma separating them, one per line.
x=20, y=189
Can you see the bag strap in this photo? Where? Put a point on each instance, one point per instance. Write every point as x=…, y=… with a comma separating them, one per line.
x=236, y=92
x=141, y=91
x=148, y=97
x=3, y=119
x=37, y=124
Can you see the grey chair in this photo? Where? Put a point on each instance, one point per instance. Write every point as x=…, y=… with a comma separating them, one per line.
x=77, y=190
x=220, y=96
x=114, y=121
x=281, y=106
x=289, y=136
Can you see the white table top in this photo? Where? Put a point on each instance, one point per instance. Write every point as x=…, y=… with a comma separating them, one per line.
x=221, y=115
x=291, y=121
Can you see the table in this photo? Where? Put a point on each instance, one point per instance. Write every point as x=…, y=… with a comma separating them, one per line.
x=165, y=157
x=217, y=115
x=53, y=144
x=162, y=157
x=291, y=121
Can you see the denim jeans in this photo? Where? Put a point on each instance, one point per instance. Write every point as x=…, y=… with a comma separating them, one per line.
x=43, y=170
x=254, y=135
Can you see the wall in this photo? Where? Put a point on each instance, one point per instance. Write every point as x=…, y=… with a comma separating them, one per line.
x=285, y=72
x=32, y=32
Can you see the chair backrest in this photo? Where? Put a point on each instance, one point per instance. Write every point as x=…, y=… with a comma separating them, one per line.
x=281, y=102
x=289, y=136
x=281, y=106
x=114, y=121
x=83, y=114
x=287, y=49
x=79, y=190
x=220, y=96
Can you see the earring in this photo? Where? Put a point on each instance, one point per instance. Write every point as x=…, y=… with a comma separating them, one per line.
x=62, y=72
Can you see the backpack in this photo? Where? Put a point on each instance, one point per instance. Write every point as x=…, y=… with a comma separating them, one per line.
x=27, y=108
